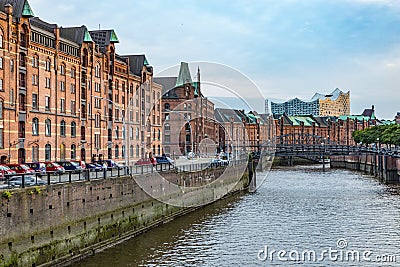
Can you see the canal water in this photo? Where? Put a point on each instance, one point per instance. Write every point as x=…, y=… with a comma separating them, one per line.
x=300, y=216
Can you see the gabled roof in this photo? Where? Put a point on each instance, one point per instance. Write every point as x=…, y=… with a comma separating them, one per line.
x=43, y=25
x=78, y=35
x=136, y=63
x=227, y=115
x=21, y=8
x=167, y=83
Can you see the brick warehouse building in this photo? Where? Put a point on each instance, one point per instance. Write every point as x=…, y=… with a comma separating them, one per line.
x=65, y=91
x=188, y=112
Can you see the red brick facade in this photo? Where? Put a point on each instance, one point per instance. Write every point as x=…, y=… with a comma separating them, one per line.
x=64, y=93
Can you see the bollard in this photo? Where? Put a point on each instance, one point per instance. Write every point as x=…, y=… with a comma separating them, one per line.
x=48, y=178
x=23, y=181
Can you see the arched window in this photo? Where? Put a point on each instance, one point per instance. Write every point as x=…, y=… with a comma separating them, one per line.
x=73, y=129
x=47, y=125
x=131, y=150
x=62, y=69
x=35, y=61
x=116, y=151
x=47, y=152
x=167, y=106
x=23, y=37
x=137, y=151
x=1, y=39
x=73, y=151
x=123, y=152
x=97, y=71
x=159, y=134
x=159, y=150
x=48, y=64
x=73, y=72
x=62, y=128
x=35, y=126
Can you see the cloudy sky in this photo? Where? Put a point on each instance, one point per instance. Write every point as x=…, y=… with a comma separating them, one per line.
x=288, y=48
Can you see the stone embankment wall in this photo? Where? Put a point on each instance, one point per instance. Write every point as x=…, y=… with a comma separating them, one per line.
x=385, y=167
x=61, y=223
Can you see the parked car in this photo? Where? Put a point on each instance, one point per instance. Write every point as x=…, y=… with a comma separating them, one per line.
x=93, y=167
x=143, y=161
x=164, y=160
x=55, y=168
x=21, y=168
x=81, y=163
x=6, y=171
x=110, y=163
x=38, y=167
x=70, y=166
x=29, y=180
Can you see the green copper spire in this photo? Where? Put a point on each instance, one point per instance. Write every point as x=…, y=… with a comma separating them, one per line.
x=113, y=37
x=27, y=11
x=184, y=75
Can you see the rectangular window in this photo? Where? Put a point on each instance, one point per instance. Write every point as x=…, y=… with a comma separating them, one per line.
x=1, y=138
x=73, y=88
x=1, y=63
x=62, y=105
x=1, y=85
x=73, y=107
x=62, y=86
x=47, y=102
x=97, y=140
x=48, y=65
x=97, y=120
x=34, y=101
x=47, y=82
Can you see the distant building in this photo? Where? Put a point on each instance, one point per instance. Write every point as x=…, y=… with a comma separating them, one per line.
x=335, y=104
x=397, y=118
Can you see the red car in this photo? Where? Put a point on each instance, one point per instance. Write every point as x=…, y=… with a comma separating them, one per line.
x=81, y=163
x=145, y=161
x=21, y=168
x=53, y=167
x=4, y=170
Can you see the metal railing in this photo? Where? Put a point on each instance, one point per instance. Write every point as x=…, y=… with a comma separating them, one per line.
x=26, y=180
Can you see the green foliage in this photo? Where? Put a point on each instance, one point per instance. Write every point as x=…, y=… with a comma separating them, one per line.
x=384, y=134
x=6, y=194
x=35, y=191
